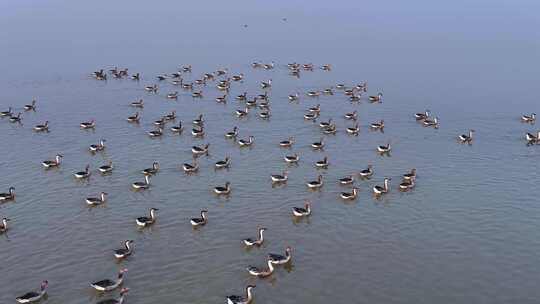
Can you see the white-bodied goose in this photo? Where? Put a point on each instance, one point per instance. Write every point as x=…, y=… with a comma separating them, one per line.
x=83, y=174
x=223, y=190
x=280, y=178
x=145, y=221
x=106, y=168
x=124, y=252
x=261, y=272
x=95, y=201
x=142, y=185
x=225, y=163
x=255, y=242
x=134, y=118
x=464, y=138
x=315, y=183
x=52, y=163
x=9, y=196
x=200, y=150
x=247, y=299
x=152, y=170
x=366, y=173
x=97, y=147
x=34, y=296
x=107, y=284
x=291, y=158
x=378, y=190
x=246, y=142
x=88, y=124
x=287, y=143
x=349, y=195
x=120, y=300
x=4, y=225
x=280, y=259
x=200, y=221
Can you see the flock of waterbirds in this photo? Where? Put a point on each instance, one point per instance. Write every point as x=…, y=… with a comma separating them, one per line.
x=224, y=80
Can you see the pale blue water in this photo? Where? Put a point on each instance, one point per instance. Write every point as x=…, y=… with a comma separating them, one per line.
x=466, y=234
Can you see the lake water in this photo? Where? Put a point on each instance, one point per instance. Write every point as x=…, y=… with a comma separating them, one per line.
x=468, y=232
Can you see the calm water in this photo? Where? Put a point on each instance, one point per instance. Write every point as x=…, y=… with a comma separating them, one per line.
x=468, y=233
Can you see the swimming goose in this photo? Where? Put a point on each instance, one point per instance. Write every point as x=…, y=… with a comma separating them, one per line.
x=153, y=170
x=349, y=195
x=234, y=299
x=328, y=91
x=322, y=163
x=15, y=118
x=232, y=134
x=410, y=175
x=4, y=225
x=311, y=116
x=144, y=221
x=318, y=145
x=263, y=96
x=88, y=124
x=287, y=143
x=221, y=99
x=107, y=284
x=264, y=105
x=83, y=174
x=173, y=95
x=94, y=201
x=251, y=103
x=431, y=122
x=197, y=132
x=377, y=125
x=330, y=129
x=315, y=184
x=97, y=147
x=160, y=122
x=199, y=121
x=325, y=124
x=326, y=67
x=197, y=150
x=347, y=180
x=186, y=68
x=269, y=66
x=351, y=116
x=153, y=88
x=134, y=118
x=31, y=107
x=531, y=139
x=190, y=168
x=197, y=94
x=291, y=158
x=368, y=172
x=42, y=128
x=223, y=163
x=353, y=130
x=378, y=190
x=6, y=113
x=187, y=86
x=34, y=296
x=377, y=98
x=209, y=76
x=120, y=300
x=384, y=148
x=349, y=92
x=124, y=252
x=463, y=138
x=407, y=184
x=280, y=178
x=354, y=97
x=301, y=212
x=106, y=168
x=238, y=77
x=156, y=133
x=246, y=142
x=264, y=114
x=313, y=93
x=529, y=118
x=293, y=97
x=223, y=189
x=138, y=104
x=200, y=221
x=52, y=163
x=142, y=185
x=267, y=84
x=422, y=116
x=242, y=96
x=261, y=272
x=136, y=76
x=9, y=196
x=177, y=129
x=242, y=113
x=257, y=242
x=340, y=86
